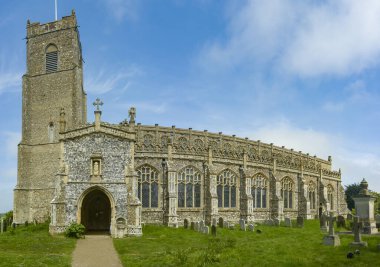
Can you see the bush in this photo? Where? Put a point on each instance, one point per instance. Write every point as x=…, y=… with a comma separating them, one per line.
x=75, y=230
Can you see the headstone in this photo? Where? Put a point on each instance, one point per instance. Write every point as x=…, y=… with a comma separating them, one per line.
x=214, y=222
x=251, y=227
x=225, y=224
x=288, y=222
x=269, y=222
x=331, y=239
x=206, y=230
x=349, y=216
x=341, y=222
x=231, y=226
x=201, y=225
x=276, y=222
x=300, y=221
x=323, y=223
x=196, y=226
x=357, y=236
x=185, y=224
x=377, y=219
x=221, y=222
x=2, y=225
x=213, y=230
x=242, y=225
x=192, y=226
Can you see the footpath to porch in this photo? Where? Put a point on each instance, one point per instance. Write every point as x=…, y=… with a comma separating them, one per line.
x=95, y=251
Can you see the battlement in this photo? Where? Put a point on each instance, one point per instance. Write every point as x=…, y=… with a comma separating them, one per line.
x=36, y=28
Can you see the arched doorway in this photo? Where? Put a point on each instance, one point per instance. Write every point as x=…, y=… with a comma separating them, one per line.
x=96, y=211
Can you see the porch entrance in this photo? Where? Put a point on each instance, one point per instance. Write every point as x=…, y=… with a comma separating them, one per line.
x=96, y=212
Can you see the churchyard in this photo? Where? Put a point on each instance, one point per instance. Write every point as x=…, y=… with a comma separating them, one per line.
x=267, y=245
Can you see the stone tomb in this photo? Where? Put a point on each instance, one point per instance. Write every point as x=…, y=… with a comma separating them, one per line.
x=331, y=239
x=357, y=235
x=288, y=222
x=300, y=221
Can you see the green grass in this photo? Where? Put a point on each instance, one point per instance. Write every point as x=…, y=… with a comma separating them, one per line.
x=275, y=246
x=33, y=246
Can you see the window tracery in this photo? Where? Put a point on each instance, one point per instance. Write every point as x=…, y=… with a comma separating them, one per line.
x=287, y=187
x=148, y=186
x=259, y=191
x=226, y=189
x=312, y=199
x=330, y=196
x=189, y=188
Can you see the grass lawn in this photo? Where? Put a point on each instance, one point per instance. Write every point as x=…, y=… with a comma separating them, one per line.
x=275, y=246
x=33, y=246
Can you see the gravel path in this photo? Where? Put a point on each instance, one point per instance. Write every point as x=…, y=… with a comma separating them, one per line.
x=95, y=251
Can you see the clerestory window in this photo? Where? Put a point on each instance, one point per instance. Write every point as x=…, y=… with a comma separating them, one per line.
x=226, y=189
x=51, y=59
x=148, y=187
x=259, y=191
x=189, y=188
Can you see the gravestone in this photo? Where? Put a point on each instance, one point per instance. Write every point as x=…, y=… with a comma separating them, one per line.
x=341, y=222
x=288, y=222
x=221, y=222
x=251, y=227
x=357, y=236
x=201, y=225
x=196, y=226
x=331, y=239
x=185, y=224
x=323, y=223
x=213, y=230
x=377, y=219
x=349, y=216
x=276, y=222
x=269, y=222
x=206, y=230
x=2, y=225
x=214, y=222
x=225, y=224
x=192, y=226
x=300, y=221
x=231, y=226
x=242, y=225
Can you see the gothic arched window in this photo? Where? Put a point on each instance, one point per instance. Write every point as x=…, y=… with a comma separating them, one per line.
x=51, y=62
x=189, y=188
x=226, y=189
x=287, y=192
x=259, y=191
x=311, y=189
x=148, y=186
x=330, y=196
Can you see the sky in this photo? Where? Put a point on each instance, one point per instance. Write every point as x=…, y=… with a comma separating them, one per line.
x=303, y=74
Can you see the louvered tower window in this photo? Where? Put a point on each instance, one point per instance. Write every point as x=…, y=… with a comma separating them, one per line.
x=51, y=59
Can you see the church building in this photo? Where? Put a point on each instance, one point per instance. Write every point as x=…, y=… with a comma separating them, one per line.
x=116, y=177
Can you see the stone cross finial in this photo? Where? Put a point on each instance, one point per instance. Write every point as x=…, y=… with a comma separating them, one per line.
x=132, y=114
x=356, y=229
x=98, y=103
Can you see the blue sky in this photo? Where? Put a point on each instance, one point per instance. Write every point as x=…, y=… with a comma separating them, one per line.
x=303, y=74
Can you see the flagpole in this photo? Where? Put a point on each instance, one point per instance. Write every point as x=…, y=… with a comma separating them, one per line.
x=56, y=12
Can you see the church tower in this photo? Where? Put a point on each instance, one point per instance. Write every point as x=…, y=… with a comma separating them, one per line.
x=52, y=91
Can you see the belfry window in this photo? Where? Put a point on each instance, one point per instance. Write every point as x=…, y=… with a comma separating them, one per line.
x=312, y=199
x=259, y=191
x=51, y=59
x=189, y=188
x=287, y=192
x=226, y=189
x=148, y=187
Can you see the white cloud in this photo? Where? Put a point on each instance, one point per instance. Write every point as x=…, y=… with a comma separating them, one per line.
x=11, y=140
x=311, y=38
x=121, y=9
x=354, y=160
x=10, y=81
x=105, y=81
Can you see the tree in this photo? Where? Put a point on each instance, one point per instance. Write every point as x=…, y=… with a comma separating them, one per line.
x=351, y=191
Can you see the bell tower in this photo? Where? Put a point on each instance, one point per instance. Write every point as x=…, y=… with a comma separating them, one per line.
x=51, y=86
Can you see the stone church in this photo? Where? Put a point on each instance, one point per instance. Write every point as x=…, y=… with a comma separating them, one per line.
x=116, y=177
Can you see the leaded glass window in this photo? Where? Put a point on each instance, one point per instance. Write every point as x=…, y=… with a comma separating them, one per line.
x=287, y=192
x=330, y=196
x=189, y=188
x=312, y=200
x=226, y=189
x=148, y=187
x=259, y=191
